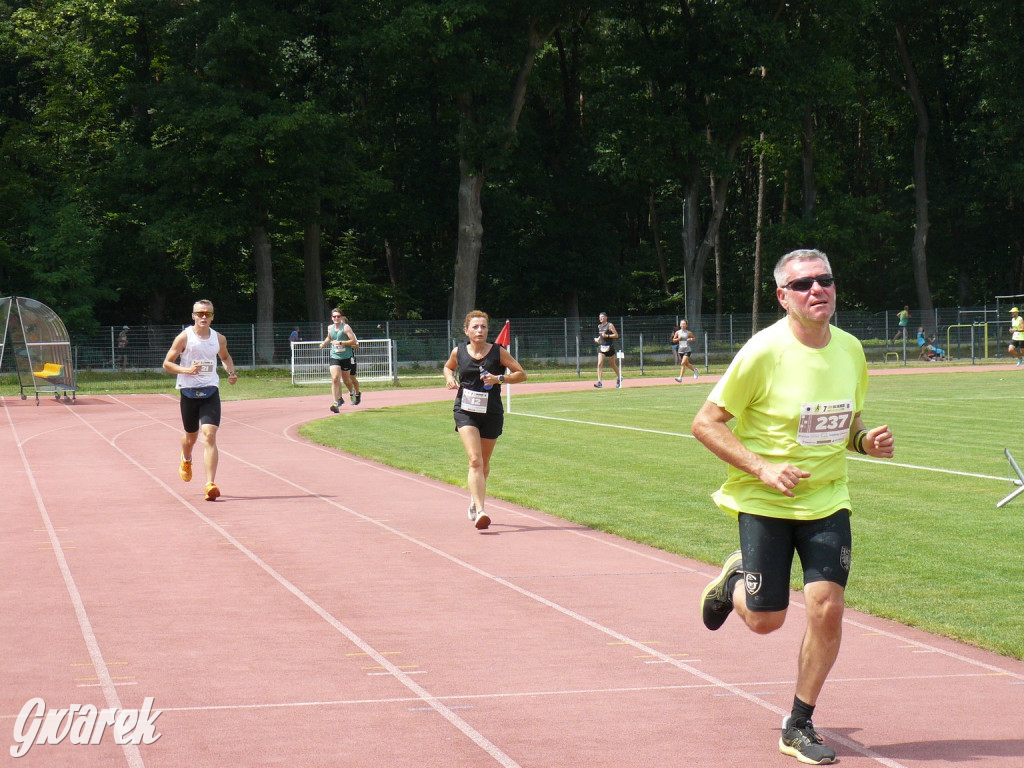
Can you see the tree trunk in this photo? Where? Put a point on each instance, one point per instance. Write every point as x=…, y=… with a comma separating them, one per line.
x=810, y=186
x=264, y=295
x=471, y=233
x=316, y=309
x=471, y=183
x=695, y=256
x=719, y=281
x=393, y=265
x=912, y=87
x=658, y=250
x=758, y=240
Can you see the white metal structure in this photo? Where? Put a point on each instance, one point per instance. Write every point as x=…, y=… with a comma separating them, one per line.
x=41, y=348
x=374, y=361
x=1019, y=482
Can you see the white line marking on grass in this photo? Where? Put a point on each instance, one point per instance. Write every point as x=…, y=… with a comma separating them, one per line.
x=600, y=424
x=869, y=460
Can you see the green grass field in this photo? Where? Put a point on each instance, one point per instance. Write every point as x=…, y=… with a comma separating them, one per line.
x=930, y=548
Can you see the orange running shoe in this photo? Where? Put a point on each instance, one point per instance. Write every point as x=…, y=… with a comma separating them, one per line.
x=212, y=491
x=185, y=469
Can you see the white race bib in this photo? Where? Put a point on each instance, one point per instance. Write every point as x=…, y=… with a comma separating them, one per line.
x=207, y=366
x=825, y=423
x=474, y=402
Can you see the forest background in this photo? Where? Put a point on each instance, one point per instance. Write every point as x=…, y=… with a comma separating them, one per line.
x=533, y=158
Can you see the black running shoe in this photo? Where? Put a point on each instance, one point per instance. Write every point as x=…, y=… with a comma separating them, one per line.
x=357, y=398
x=805, y=744
x=715, y=600
x=334, y=406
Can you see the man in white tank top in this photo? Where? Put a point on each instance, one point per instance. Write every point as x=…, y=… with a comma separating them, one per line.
x=193, y=357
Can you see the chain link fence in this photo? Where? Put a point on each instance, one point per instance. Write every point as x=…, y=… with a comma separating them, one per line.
x=965, y=334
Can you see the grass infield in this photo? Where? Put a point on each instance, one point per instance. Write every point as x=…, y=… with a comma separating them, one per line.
x=930, y=548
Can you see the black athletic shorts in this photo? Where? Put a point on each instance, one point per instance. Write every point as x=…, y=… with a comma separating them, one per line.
x=200, y=410
x=489, y=424
x=768, y=544
x=348, y=364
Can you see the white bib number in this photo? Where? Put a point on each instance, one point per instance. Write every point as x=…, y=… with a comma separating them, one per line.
x=474, y=402
x=825, y=423
x=207, y=366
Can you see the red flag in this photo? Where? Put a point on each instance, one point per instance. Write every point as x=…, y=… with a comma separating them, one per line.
x=505, y=337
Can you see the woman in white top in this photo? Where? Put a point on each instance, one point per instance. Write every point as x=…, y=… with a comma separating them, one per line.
x=682, y=339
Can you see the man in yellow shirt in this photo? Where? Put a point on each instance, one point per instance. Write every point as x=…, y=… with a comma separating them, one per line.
x=1017, y=336
x=796, y=391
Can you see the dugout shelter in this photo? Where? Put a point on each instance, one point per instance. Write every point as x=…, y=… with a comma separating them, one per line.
x=37, y=338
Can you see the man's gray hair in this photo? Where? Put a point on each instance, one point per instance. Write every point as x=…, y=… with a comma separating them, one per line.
x=803, y=254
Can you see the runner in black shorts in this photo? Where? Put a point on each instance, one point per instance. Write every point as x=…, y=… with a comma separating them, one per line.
x=796, y=391
x=193, y=357
x=197, y=411
x=474, y=368
x=768, y=544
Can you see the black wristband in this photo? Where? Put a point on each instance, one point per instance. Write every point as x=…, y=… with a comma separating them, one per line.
x=858, y=441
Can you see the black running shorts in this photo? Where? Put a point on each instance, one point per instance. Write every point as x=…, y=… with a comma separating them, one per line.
x=348, y=364
x=200, y=410
x=768, y=544
x=489, y=424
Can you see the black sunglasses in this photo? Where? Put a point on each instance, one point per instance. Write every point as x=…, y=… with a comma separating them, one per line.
x=804, y=284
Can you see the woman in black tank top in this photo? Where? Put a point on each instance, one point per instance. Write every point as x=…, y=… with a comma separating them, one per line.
x=475, y=369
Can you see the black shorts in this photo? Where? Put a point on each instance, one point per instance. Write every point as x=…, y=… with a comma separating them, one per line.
x=348, y=364
x=200, y=410
x=768, y=545
x=489, y=424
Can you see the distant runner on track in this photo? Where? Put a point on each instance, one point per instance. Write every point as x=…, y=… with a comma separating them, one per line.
x=476, y=368
x=193, y=357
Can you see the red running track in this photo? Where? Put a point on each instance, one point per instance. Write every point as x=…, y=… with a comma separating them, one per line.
x=329, y=611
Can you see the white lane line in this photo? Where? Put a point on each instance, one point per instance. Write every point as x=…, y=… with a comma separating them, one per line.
x=106, y=680
x=554, y=606
x=425, y=696
x=451, y=716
